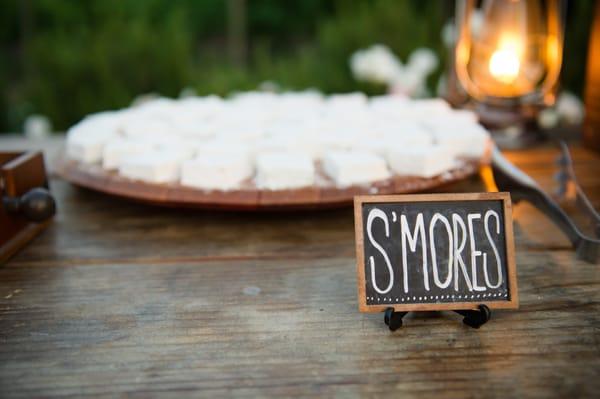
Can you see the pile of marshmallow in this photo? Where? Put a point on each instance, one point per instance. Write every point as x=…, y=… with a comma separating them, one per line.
x=278, y=141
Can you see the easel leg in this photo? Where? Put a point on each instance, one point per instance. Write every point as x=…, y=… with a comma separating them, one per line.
x=393, y=319
x=476, y=318
x=472, y=318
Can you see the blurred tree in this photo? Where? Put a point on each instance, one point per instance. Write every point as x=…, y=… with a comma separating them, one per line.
x=579, y=21
x=236, y=30
x=81, y=57
x=324, y=63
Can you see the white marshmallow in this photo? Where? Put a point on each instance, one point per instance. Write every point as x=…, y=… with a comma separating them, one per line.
x=347, y=168
x=191, y=126
x=470, y=141
x=339, y=133
x=144, y=126
x=426, y=161
x=347, y=105
x=347, y=100
x=217, y=171
x=408, y=132
x=242, y=128
x=296, y=106
x=184, y=149
x=389, y=105
x=121, y=148
x=87, y=149
x=159, y=108
x=384, y=134
x=153, y=167
x=286, y=132
x=201, y=108
x=86, y=140
x=220, y=146
x=281, y=170
x=456, y=118
x=430, y=107
x=306, y=144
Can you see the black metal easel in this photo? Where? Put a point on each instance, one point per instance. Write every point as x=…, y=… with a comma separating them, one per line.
x=472, y=318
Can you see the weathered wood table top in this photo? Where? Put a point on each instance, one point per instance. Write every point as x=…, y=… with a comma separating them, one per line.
x=121, y=299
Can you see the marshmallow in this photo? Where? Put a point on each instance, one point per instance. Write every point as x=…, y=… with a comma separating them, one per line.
x=153, y=167
x=202, y=108
x=471, y=141
x=184, y=149
x=425, y=161
x=288, y=143
x=347, y=168
x=192, y=126
x=121, y=148
x=430, y=107
x=144, y=126
x=381, y=135
x=243, y=128
x=384, y=106
x=408, y=132
x=160, y=108
x=346, y=105
x=281, y=170
x=216, y=171
x=86, y=140
x=87, y=149
x=221, y=146
x=455, y=118
x=355, y=100
x=283, y=134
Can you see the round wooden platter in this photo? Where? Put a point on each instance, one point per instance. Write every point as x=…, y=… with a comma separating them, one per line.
x=324, y=194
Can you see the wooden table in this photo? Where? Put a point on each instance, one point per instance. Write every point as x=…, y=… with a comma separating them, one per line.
x=120, y=299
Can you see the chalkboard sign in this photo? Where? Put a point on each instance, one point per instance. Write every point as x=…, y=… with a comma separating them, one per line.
x=435, y=252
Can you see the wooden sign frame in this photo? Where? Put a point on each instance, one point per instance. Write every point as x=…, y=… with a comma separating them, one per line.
x=512, y=303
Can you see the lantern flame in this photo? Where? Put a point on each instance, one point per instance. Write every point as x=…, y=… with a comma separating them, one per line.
x=505, y=63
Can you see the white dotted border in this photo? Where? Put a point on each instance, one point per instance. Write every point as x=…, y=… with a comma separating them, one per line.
x=416, y=299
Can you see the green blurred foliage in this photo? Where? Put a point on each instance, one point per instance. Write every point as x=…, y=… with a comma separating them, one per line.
x=72, y=57
x=579, y=21
x=68, y=58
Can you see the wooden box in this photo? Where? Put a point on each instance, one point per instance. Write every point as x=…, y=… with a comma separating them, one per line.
x=26, y=205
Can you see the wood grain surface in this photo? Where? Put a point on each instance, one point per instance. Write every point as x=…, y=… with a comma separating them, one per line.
x=117, y=299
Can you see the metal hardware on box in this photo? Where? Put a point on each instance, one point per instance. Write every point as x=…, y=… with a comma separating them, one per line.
x=36, y=205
